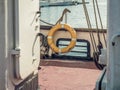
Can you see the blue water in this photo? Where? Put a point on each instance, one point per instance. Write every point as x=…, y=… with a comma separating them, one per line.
x=77, y=17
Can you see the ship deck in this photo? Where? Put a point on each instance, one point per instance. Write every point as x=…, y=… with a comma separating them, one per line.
x=67, y=75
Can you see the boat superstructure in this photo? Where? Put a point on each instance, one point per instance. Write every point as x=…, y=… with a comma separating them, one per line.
x=19, y=48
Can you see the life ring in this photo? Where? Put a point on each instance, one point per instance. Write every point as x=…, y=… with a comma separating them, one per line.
x=51, y=42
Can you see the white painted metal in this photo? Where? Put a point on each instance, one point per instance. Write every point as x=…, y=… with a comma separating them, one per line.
x=113, y=51
x=17, y=35
x=101, y=81
x=103, y=57
x=27, y=27
x=3, y=32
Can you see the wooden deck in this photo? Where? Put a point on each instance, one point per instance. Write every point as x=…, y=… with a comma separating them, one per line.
x=67, y=75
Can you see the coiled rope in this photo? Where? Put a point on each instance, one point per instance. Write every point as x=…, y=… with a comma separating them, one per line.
x=44, y=47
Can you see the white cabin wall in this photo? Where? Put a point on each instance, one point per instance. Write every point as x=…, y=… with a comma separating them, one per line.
x=8, y=25
x=28, y=27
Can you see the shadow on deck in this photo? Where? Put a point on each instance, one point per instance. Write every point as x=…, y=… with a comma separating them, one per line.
x=68, y=63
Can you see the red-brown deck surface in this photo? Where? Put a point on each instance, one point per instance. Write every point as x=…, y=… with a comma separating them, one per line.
x=56, y=77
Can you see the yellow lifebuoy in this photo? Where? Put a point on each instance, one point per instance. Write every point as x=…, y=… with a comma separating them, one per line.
x=51, y=42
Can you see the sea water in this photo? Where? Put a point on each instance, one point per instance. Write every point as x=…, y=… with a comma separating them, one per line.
x=77, y=17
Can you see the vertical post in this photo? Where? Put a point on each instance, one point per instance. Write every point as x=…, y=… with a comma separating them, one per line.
x=113, y=51
x=3, y=45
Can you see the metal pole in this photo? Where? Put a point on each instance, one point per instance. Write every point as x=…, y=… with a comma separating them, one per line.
x=3, y=58
x=113, y=50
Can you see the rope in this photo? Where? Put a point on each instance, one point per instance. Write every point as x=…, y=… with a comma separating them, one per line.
x=89, y=27
x=96, y=20
x=98, y=33
x=46, y=22
x=63, y=13
x=95, y=54
x=101, y=22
